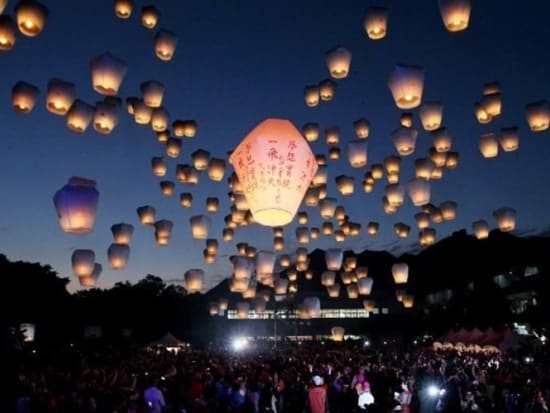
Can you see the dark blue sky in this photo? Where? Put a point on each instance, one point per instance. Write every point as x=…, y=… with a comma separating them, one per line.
x=237, y=63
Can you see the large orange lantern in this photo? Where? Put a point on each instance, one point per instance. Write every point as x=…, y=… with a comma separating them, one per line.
x=76, y=205
x=108, y=72
x=376, y=22
x=406, y=84
x=31, y=17
x=8, y=32
x=275, y=166
x=455, y=14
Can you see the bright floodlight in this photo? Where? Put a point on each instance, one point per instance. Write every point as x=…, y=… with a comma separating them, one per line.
x=433, y=390
x=239, y=343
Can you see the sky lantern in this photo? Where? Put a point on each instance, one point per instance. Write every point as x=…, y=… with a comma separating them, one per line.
x=302, y=217
x=361, y=272
x=338, y=333
x=76, y=205
x=509, y=139
x=448, y=210
x=122, y=233
x=187, y=174
x=406, y=83
x=327, y=228
x=194, y=280
x=334, y=290
x=481, y=229
x=212, y=204
x=538, y=115
x=361, y=128
x=200, y=225
x=80, y=116
x=334, y=153
x=327, y=207
x=83, y=261
x=451, y=160
x=223, y=304
x=281, y=286
x=395, y=193
x=442, y=140
x=106, y=115
x=431, y=115
x=200, y=159
x=400, y=272
x=314, y=232
x=60, y=96
x=332, y=135
x=377, y=171
x=408, y=301
x=146, y=214
x=118, y=255
x=423, y=168
x=345, y=184
x=228, y=234
x=3, y=4
x=265, y=262
x=404, y=140
x=320, y=176
x=376, y=22
x=185, y=128
x=436, y=216
x=165, y=44
x=492, y=104
x=208, y=257
x=284, y=260
x=338, y=61
x=108, y=72
x=31, y=17
x=312, y=306
x=212, y=246
x=481, y=114
x=402, y=230
x=91, y=280
x=173, y=147
x=160, y=118
x=419, y=191
x=153, y=93
x=488, y=145
x=406, y=119
x=149, y=16
x=243, y=307
x=353, y=291
x=426, y=236
x=422, y=219
x=369, y=305
x=8, y=32
x=333, y=258
x=163, y=136
x=216, y=169
x=357, y=153
x=186, y=199
x=365, y=285
x=327, y=88
x=393, y=166
x=167, y=188
x=213, y=308
x=276, y=146
x=328, y=278
x=372, y=228
x=455, y=14
x=438, y=158
x=302, y=235
x=159, y=165
x=506, y=218
x=123, y=8
x=311, y=95
x=311, y=131
x=142, y=112
x=23, y=95
x=163, y=231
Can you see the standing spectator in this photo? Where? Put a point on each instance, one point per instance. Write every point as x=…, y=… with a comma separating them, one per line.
x=154, y=398
x=317, y=396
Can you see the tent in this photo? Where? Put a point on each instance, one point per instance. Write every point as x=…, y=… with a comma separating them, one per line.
x=503, y=340
x=170, y=342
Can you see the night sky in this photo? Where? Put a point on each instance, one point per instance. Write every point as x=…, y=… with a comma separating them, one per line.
x=238, y=63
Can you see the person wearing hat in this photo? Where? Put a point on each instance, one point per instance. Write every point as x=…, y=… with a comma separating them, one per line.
x=317, y=401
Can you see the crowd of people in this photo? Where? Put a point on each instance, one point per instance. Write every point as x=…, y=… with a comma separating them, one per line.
x=310, y=378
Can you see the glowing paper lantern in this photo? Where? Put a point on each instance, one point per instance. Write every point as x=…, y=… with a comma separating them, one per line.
x=83, y=261
x=488, y=145
x=406, y=119
x=422, y=220
x=160, y=118
x=408, y=301
x=423, y=168
x=376, y=22
x=364, y=286
x=200, y=159
x=228, y=234
x=146, y=214
x=538, y=115
x=167, y=188
x=216, y=169
x=118, y=255
x=345, y=184
x=404, y=140
x=265, y=262
x=427, y=236
x=193, y=280
x=338, y=333
x=312, y=306
x=400, y=272
x=106, y=115
x=278, y=243
x=481, y=114
x=442, y=140
x=186, y=199
x=122, y=233
x=165, y=44
x=149, y=16
x=455, y=14
x=200, y=225
x=406, y=84
x=187, y=174
x=213, y=308
x=334, y=153
x=311, y=131
x=212, y=246
x=31, y=17
x=481, y=229
x=492, y=104
x=338, y=61
x=284, y=260
x=108, y=72
x=123, y=8
x=395, y=194
x=357, y=153
x=163, y=231
x=327, y=89
x=332, y=135
x=369, y=305
x=333, y=258
x=311, y=95
x=212, y=204
x=281, y=286
x=8, y=32
x=80, y=116
x=402, y=230
x=76, y=205
x=431, y=114
x=509, y=139
x=361, y=128
x=448, y=210
x=153, y=93
x=372, y=228
x=275, y=145
x=334, y=290
x=506, y=218
x=451, y=160
x=60, y=96
x=186, y=128
x=173, y=147
x=23, y=96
